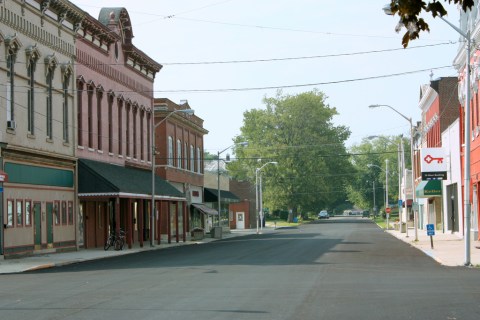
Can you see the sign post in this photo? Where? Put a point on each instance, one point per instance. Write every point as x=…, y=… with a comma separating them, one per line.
x=431, y=233
x=387, y=212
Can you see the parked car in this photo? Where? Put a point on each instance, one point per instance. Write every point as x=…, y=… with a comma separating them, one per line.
x=323, y=215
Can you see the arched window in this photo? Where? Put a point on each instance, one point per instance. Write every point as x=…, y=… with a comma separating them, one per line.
x=192, y=158
x=32, y=57
x=67, y=72
x=170, y=151
x=50, y=65
x=179, y=153
x=199, y=162
x=185, y=156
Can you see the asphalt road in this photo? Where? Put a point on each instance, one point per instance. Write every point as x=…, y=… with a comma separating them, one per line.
x=341, y=268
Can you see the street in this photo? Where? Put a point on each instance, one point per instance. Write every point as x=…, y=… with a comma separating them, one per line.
x=340, y=268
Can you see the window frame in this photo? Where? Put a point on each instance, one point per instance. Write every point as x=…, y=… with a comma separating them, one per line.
x=192, y=158
x=10, y=206
x=63, y=212
x=179, y=154
x=70, y=212
x=19, y=214
x=28, y=212
x=170, y=151
x=56, y=213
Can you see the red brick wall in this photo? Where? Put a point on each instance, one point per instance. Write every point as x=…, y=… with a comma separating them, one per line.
x=243, y=206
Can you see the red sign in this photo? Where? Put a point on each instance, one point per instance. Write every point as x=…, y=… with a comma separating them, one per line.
x=387, y=210
x=3, y=176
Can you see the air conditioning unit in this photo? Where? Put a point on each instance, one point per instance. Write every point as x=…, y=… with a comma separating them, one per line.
x=11, y=125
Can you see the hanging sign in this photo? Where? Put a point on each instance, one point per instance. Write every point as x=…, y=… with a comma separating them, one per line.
x=433, y=164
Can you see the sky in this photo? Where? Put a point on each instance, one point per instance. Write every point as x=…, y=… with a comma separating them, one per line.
x=347, y=49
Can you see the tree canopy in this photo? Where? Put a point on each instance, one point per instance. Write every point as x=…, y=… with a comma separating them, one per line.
x=368, y=159
x=409, y=12
x=297, y=132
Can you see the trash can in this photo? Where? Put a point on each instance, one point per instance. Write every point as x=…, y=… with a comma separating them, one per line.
x=216, y=232
x=403, y=227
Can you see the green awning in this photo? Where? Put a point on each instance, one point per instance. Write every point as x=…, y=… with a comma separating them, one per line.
x=104, y=179
x=211, y=195
x=429, y=188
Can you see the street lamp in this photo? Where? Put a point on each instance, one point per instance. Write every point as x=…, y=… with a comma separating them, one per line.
x=154, y=126
x=401, y=171
x=244, y=143
x=467, y=154
x=259, y=192
x=386, y=187
x=412, y=160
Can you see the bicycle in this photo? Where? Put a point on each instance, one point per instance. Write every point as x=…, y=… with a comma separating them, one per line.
x=117, y=241
x=120, y=240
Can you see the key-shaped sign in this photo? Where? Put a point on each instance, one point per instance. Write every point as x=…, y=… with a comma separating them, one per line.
x=429, y=159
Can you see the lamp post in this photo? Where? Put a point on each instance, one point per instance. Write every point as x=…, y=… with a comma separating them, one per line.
x=467, y=155
x=400, y=167
x=412, y=160
x=154, y=126
x=386, y=185
x=258, y=192
x=245, y=143
x=401, y=173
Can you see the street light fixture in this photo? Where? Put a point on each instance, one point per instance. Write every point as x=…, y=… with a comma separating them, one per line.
x=244, y=143
x=412, y=160
x=386, y=187
x=154, y=126
x=401, y=171
x=258, y=192
x=467, y=207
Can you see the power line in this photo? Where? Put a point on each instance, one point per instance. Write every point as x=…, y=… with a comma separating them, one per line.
x=304, y=57
x=301, y=85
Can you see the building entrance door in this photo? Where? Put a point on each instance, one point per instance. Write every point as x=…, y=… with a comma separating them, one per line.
x=37, y=222
x=240, y=220
x=49, y=225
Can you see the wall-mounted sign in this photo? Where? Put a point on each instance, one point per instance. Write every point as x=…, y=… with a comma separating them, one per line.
x=433, y=164
x=3, y=176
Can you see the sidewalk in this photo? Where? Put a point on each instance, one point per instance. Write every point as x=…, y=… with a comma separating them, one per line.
x=37, y=262
x=448, y=249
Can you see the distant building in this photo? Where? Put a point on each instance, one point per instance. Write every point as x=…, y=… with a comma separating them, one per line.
x=179, y=160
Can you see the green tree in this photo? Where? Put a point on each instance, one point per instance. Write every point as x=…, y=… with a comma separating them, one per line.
x=368, y=159
x=409, y=12
x=297, y=132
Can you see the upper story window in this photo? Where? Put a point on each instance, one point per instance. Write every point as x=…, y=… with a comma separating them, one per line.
x=80, y=84
x=192, y=158
x=100, y=91
x=67, y=72
x=111, y=97
x=90, y=91
x=199, y=162
x=50, y=66
x=127, y=128
x=32, y=57
x=142, y=135
x=120, y=126
x=12, y=46
x=170, y=151
x=185, y=156
x=179, y=153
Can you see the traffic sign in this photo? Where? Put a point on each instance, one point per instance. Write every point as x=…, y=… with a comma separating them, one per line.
x=430, y=230
x=387, y=210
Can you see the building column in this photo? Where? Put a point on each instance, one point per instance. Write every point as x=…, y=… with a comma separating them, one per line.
x=177, y=236
x=140, y=216
x=129, y=227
